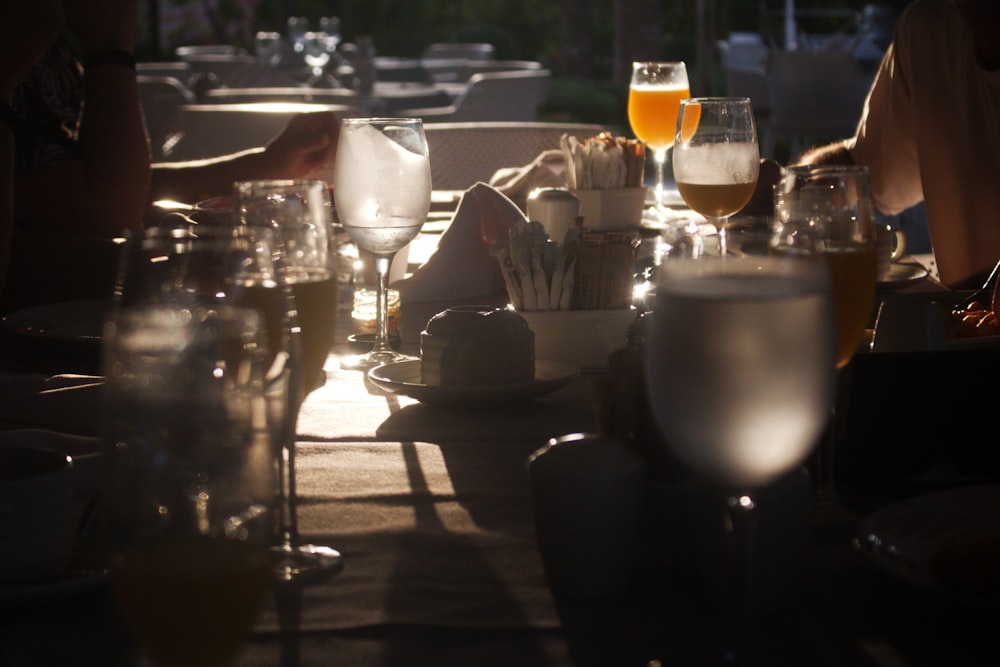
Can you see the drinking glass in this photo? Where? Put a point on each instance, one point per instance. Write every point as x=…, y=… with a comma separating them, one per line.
x=740, y=378
x=382, y=190
x=828, y=210
x=188, y=495
x=303, y=297
x=298, y=26
x=654, y=96
x=716, y=158
x=317, y=55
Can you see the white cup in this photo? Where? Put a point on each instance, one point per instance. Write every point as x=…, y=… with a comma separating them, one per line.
x=890, y=246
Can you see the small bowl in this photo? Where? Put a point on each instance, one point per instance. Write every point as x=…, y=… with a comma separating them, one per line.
x=583, y=338
x=612, y=208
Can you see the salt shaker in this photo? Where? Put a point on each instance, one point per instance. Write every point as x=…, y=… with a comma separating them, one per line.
x=555, y=208
x=587, y=493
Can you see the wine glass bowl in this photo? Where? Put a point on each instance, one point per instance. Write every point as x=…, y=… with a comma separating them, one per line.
x=716, y=157
x=655, y=93
x=382, y=191
x=827, y=210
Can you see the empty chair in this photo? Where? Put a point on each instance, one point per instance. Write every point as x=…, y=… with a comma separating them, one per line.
x=199, y=131
x=815, y=95
x=176, y=68
x=281, y=94
x=184, y=53
x=499, y=96
x=160, y=97
x=459, y=51
x=223, y=69
x=465, y=153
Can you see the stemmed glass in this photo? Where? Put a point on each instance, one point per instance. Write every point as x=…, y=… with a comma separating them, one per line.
x=740, y=372
x=189, y=487
x=654, y=96
x=300, y=304
x=828, y=210
x=382, y=190
x=316, y=51
x=716, y=158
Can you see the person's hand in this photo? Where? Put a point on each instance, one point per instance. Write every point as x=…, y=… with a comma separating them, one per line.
x=27, y=31
x=762, y=201
x=103, y=25
x=307, y=142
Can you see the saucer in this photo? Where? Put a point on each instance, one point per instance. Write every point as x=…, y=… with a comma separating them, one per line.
x=403, y=377
x=902, y=274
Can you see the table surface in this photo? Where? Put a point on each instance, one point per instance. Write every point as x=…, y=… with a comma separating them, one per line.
x=432, y=512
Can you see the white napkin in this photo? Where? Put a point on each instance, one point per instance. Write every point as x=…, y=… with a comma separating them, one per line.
x=548, y=170
x=462, y=266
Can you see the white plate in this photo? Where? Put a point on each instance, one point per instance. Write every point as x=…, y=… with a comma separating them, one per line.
x=403, y=377
x=902, y=274
x=79, y=321
x=946, y=542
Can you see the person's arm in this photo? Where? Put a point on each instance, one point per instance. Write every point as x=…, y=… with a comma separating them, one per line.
x=104, y=191
x=306, y=143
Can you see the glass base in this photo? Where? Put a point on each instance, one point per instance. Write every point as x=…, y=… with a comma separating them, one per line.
x=364, y=362
x=305, y=564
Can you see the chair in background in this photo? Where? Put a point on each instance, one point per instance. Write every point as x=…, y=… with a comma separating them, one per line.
x=160, y=97
x=816, y=95
x=184, y=53
x=743, y=58
x=464, y=153
x=445, y=62
x=199, y=131
x=178, y=69
x=221, y=68
x=459, y=51
x=499, y=96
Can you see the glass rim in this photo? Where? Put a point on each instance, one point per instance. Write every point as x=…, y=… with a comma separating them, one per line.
x=362, y=120
x=715, y=100
x=809, y=169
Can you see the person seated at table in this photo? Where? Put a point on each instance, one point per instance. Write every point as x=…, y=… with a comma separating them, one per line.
x=82, y=160
x=27, y=31
x=930, y=131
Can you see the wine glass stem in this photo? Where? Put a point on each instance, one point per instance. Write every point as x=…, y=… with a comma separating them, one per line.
x=382, y=263
x=720, y=226
x=289, y=519
x=660, y=157
x=740, y=522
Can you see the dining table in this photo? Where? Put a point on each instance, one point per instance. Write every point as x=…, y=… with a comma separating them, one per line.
x=430, y=504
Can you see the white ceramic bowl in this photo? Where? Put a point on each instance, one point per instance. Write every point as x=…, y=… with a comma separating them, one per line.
x=613, y=208
x=583, y=338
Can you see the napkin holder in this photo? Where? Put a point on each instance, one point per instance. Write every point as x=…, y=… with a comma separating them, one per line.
x=582, y=338
x=611, y=208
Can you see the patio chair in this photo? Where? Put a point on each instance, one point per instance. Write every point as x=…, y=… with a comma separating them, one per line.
x=200, y=131
x=499, y=96
x=465, y=153
x=160, y=97
x=459, y=51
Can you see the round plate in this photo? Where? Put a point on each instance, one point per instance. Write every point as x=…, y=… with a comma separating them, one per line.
x=69, y=321
x=946, y=542
x=902, y=274
x=403, y=378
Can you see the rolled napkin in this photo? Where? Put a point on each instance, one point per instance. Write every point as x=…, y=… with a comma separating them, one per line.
x=462, y=266
x=548, y=170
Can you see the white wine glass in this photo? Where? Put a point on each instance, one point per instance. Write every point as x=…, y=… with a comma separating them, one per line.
x=300, y=304
x=188, y=494
x=740, y=378
x=716, y=158
x=654, y=98
x=382, y=191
